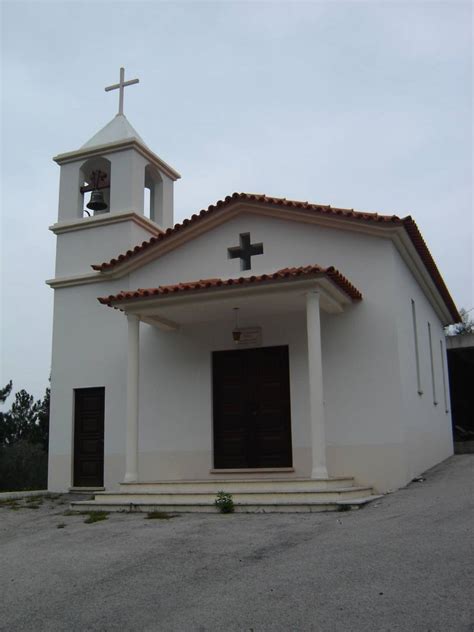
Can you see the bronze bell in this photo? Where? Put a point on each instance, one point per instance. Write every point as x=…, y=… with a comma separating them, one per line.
x=97, y=202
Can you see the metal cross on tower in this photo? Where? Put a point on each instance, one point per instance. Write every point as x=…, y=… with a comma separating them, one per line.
x=120, y=87
x=245, y=251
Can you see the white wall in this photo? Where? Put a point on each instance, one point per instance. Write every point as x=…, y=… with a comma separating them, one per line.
x=127, y=185
x=175, y=419
x=364, y=360
x=361, y=367
x=77, y=250
x=89, y=349
x=427, y=426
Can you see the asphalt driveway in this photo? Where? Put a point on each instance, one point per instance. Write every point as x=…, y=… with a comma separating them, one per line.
x=403, y=563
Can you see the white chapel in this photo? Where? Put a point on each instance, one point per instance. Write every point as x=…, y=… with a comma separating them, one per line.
x=287, y=352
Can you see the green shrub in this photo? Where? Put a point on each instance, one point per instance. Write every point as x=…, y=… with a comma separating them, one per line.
x=23, y=466
x=224, y=502
x=96, y=516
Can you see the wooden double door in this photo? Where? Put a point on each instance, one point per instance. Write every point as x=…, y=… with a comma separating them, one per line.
x=89, y=437
x=251, y=398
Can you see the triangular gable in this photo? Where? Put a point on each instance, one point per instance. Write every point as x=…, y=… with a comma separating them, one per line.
x=390, y=226
x=223, y=210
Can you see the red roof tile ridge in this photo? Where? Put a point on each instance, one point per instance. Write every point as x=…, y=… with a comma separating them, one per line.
x=330, y=272
x=408, y=223
x=258, y=197
x=419, y=243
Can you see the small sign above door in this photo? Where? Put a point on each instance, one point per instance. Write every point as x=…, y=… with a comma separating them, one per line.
x=250, y=337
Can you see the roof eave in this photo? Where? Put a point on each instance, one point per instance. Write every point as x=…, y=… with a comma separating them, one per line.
x=120, y=145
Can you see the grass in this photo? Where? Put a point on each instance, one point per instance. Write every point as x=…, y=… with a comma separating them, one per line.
x=14, y=505
x=35, y=499
x=96, y=516
x=158, y=515
x=92, y=516
x=25, y=502
x=9, y=502
x=31, y=502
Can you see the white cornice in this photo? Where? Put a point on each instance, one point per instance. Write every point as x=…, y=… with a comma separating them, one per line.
x=334, y=297
x=104, y=220
x=121, y=145
x=410, y=256
x=395, y=232
x=215, y=219
x=76, y=279
x=170, y=243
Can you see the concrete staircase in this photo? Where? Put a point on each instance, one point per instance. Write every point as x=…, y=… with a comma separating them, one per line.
x=250, y=495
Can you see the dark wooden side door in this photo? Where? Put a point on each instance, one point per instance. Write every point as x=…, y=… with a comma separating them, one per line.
x=89, y=437
x=251, y=397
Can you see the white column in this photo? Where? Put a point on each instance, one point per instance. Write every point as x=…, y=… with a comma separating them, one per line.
x=315, y=375
x=131, y=451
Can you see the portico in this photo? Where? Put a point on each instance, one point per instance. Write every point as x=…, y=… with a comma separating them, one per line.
x=306, y=291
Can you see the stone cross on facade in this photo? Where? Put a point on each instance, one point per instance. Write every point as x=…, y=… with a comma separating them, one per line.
x=245, y=251
x=120, y=87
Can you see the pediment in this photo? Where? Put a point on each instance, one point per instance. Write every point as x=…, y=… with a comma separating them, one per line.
x=241, y=203
x=403, y=232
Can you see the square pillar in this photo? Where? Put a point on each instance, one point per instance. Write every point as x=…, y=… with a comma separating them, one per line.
x=133, y=362
x=315, y=377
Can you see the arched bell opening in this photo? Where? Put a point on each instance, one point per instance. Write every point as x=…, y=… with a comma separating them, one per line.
x=95, y=187
x=153, y=197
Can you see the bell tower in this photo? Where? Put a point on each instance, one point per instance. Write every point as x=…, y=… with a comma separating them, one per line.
x=114, y=180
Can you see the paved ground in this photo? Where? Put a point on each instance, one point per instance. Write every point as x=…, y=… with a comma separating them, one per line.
x=403, y=563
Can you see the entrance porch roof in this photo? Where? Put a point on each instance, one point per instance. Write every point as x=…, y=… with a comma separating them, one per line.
x=168, y=306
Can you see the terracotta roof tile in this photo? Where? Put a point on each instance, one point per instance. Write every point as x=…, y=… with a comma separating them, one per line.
x=246, y=197
x=285, y=274
x=417, y=240
x=407, y=223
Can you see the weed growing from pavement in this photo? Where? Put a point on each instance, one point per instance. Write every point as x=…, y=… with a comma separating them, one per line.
x=224, y=502
x=34, y=499
x=11, y=503
x=158, y=515
x=96, y=516
x=8, y=501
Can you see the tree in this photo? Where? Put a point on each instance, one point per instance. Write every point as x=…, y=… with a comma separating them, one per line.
x=466, y=326
x=20, y=420
x=40, y=432
x=27, y=419
x=5, y=392
x=24, y=432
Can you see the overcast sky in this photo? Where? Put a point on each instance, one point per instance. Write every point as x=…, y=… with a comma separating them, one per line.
x=365, y=105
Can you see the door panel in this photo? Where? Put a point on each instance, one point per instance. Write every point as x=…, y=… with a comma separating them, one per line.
x=252, y=425
x=89, y=437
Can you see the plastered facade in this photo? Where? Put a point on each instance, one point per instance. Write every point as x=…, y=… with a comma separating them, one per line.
x=378, y=428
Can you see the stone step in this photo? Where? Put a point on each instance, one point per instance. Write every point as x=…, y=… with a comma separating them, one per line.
x=243, y=497
x=281, y=507
x=238, y=485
